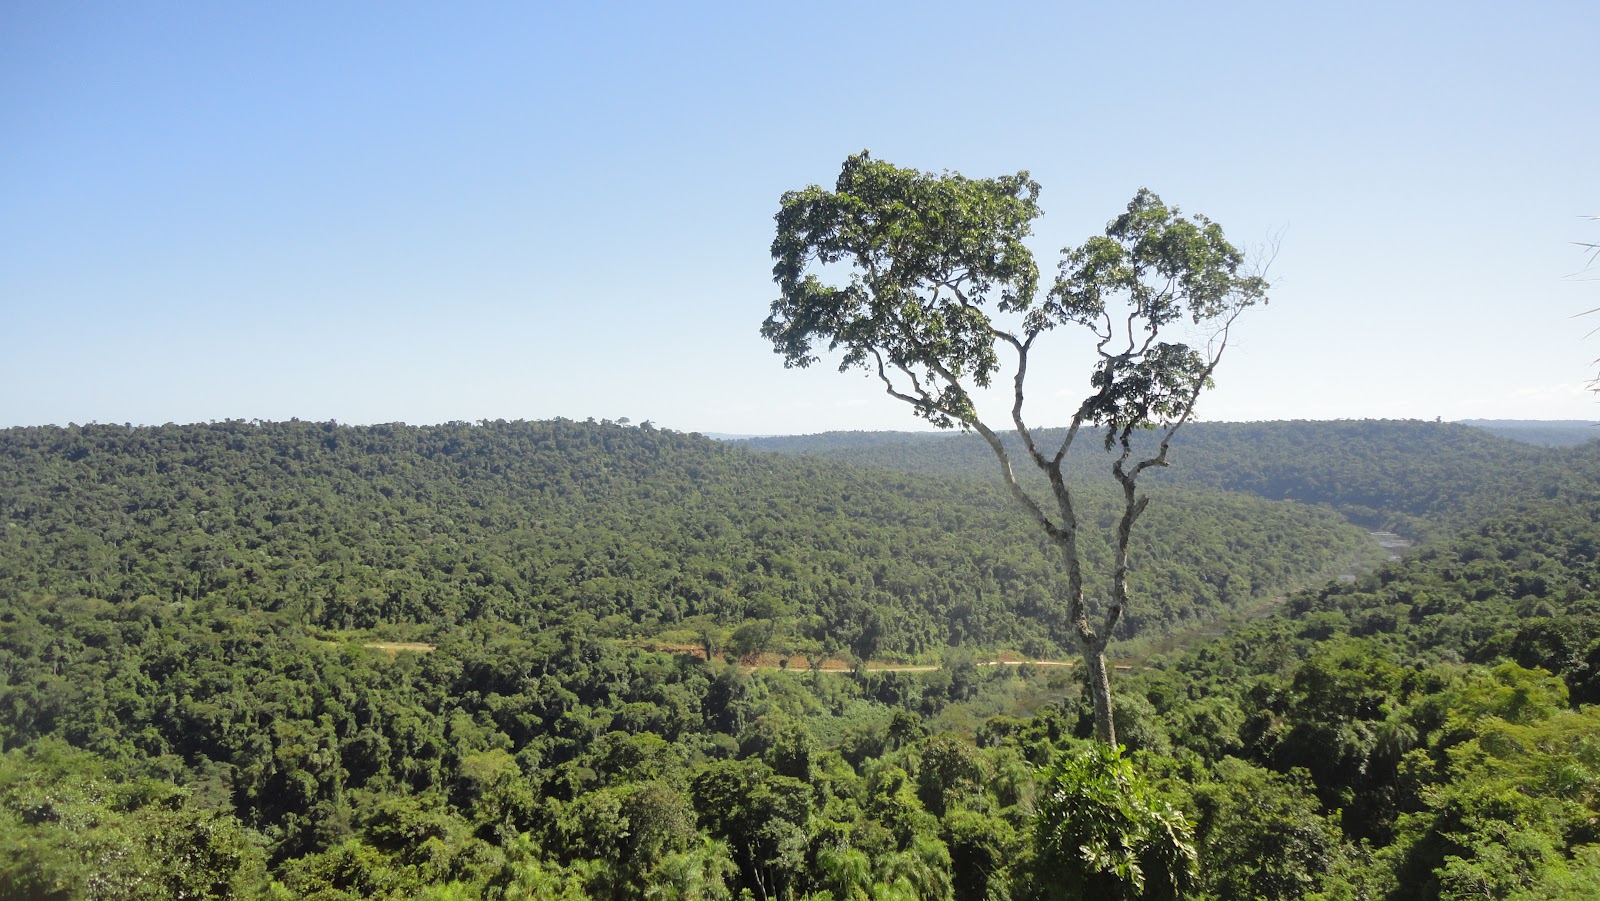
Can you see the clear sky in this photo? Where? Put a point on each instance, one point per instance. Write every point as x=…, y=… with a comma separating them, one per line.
x=391, y=212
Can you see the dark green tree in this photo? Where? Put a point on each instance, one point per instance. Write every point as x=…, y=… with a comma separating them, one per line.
x=941, y=284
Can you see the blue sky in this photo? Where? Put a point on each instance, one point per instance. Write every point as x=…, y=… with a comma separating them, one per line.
x=431, y=212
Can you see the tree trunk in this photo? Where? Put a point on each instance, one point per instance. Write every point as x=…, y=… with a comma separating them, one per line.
x=1094, y=662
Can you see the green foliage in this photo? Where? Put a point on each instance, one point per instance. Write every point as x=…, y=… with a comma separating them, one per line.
x=934, y=258
x=904, y=232
x=1446, y=779
x=1261, y=834
x=184, y=714
x=72, y=828
x=1102, y=833
x=761, y=815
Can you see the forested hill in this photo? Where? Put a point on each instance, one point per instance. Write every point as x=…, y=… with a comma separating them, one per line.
x=409, y=532
x=1420, y=478
x=1441, y=708
x=1549, y=433
x=191, y=706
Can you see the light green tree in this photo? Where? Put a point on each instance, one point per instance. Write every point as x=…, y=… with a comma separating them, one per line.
x=937, y=295
x=1100, y=832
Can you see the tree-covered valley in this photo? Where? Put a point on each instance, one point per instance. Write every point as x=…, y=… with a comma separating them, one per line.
x=409, y=532
x=1416, y=477
x=306, y=660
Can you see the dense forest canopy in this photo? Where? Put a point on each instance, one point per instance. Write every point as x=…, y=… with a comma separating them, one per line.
x=414, y=531
x=205, y=689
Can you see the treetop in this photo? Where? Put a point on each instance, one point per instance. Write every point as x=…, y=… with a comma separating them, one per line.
x=933, y=263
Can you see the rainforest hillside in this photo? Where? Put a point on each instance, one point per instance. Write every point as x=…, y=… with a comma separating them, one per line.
x=181, y=718
x=1419, y=478
x=1439, y=712
x=408, y=533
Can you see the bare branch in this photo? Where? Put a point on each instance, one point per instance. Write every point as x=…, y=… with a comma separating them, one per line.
x=1055, y=531
x=1018, y=387
x=925, y=398
x=892, y=391
x=1215, y=347
x=1133, y=316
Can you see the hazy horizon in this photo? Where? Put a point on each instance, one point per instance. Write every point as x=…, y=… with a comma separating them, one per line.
x=722, y=435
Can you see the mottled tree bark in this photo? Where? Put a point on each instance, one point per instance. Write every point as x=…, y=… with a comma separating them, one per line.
x=1094, y=662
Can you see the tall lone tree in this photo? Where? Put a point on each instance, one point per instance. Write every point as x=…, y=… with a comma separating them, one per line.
x=943, y=295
